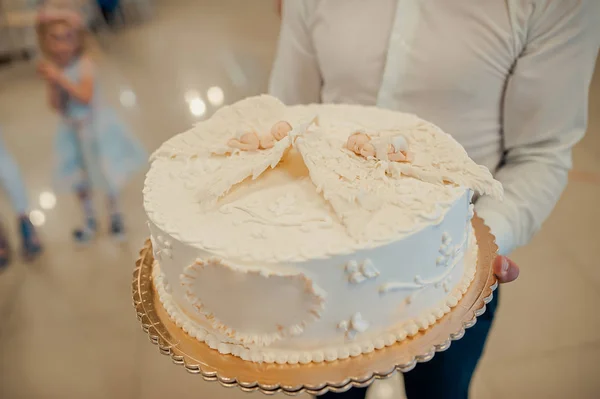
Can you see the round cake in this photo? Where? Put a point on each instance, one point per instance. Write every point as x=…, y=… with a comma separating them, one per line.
x=311, y=233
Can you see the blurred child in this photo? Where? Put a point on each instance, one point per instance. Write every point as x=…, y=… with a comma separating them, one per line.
x=94, y=148
x=10, y=177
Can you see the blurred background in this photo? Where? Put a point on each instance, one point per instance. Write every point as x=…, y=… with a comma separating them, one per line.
x=67, y=325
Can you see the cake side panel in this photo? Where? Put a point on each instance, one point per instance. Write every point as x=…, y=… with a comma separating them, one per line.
x=393, y=285
x=272, y=355
x=360, y=301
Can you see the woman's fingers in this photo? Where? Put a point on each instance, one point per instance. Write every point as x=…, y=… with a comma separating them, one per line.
x=505, y=269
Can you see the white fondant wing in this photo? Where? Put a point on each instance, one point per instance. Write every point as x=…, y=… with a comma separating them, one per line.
x=357, y=189
x=447, y=162
x=209, y=140
x=243, y=164
x=254, y=114
x=237, y=167
x=369, y=203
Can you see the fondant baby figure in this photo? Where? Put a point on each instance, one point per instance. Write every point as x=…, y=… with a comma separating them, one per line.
x=392, y=148
x=252, y=141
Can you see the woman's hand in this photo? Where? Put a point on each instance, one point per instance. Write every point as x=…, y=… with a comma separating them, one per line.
x=505, y=269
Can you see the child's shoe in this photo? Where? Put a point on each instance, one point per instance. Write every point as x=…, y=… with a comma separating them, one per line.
x=117, y=227
x=31, y=246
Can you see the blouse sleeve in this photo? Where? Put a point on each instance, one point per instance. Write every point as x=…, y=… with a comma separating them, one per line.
x=545, y=115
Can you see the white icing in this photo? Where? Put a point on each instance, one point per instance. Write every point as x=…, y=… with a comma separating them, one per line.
x=161, y=247
x=471, y=212
x=303, y=128
x=368, y=269
x=449, y=253
x=264, y=223
x=283, y=212
x=452, y=257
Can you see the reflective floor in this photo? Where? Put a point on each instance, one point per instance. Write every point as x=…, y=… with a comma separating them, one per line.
x=67, y=326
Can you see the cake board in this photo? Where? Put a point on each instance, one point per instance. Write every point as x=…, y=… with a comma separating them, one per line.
x=313, y=378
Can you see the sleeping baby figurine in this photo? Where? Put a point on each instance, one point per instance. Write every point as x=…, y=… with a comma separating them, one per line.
x=252, y=141
x=390, y=148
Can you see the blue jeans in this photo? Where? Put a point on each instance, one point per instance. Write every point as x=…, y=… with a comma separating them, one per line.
x=11, y=181
x=448, y=375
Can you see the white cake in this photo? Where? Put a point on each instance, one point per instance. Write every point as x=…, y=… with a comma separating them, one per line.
x=306, y=252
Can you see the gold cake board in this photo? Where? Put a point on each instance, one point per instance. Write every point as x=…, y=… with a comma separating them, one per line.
x=313, y=378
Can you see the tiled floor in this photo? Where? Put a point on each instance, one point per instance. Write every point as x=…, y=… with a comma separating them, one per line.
x=67, y=327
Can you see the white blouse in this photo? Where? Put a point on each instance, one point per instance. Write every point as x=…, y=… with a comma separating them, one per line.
x=509, y=79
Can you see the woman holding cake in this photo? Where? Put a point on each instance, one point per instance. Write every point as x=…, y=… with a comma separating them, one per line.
x=508, y=79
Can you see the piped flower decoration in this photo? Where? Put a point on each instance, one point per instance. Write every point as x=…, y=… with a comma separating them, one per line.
x=355, y=325
x=357, y=273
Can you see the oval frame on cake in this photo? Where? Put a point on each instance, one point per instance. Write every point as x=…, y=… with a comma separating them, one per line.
x=297, y=283
x=314, y=378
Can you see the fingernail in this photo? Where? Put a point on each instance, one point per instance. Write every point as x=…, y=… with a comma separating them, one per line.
x=504, y=265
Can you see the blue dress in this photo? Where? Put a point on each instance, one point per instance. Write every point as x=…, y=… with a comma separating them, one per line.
x=94, y=148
